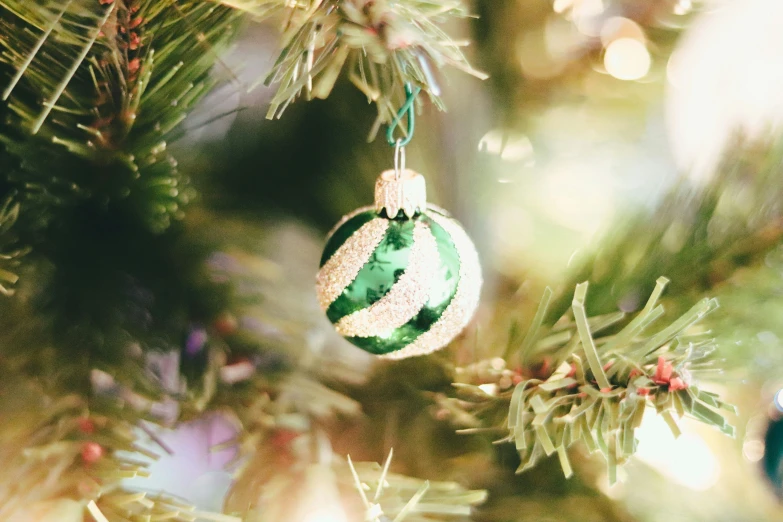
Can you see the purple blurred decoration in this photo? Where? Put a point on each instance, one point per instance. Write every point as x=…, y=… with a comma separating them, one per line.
x=164, y=366
x=222, y=262
x=166, y=409
x=196, y=340
x=189, y=467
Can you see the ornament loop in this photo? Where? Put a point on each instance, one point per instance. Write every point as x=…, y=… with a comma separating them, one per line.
x=399, y=159
x=408, y=109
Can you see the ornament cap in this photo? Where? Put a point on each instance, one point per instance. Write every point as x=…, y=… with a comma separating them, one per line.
x=397, y=190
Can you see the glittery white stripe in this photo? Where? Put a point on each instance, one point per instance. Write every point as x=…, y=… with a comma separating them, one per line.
x=405, y=298
x=341, y=269
x=462, y=307
x=345, y=218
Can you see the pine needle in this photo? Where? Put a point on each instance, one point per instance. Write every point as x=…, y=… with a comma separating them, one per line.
x=49, y=104
x=95, y=511
x=557, y=404
x=384, y=44
x=587, y=338
x=31, y=56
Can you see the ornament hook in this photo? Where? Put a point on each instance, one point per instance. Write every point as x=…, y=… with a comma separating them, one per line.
x=408, y=109
x=399, y=158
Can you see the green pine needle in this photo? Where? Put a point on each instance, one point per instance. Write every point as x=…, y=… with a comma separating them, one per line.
x=94, y=90
x=399, y=498
x=62, y=448
x=383, y=45
x=595, y=389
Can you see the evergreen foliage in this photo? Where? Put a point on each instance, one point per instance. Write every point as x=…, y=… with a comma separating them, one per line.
x=128, y=311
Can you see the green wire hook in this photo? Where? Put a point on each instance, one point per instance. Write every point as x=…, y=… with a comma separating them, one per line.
x=409, y=109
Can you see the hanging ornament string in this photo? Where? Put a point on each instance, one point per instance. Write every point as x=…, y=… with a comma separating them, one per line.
x=408, y=108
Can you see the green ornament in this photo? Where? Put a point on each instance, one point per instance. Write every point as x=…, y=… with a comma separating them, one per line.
x=401, y=278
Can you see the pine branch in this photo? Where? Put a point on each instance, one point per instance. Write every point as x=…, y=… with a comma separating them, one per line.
x=397, y=497
x=697, y=237
x=307, y=488
x=576, y=386
x=381, y=44
x=94, y=89
x=64, y=455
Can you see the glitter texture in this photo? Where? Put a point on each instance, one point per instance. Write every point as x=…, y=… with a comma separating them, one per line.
x=462, y=307
x=408, y=193
x=348, y=260
x=347, y=217
x=405, y=299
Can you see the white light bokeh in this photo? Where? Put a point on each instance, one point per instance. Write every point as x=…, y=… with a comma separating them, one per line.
x=618, y=27
x=560, y=6
x=726, y=76
x=686, y=460
x=683, y=7
x=321, y=498
x=587, y=16
x=508, y=146
x=582, y=202
x=627, y=59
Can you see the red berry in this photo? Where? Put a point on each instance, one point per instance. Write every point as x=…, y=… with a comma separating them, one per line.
x=135, y=41
x=91, y=452
x=86, y=425
x=677, y=384
x=663, y=372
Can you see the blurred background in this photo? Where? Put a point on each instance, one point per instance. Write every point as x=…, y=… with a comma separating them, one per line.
x=606, y=132
x=593, y=112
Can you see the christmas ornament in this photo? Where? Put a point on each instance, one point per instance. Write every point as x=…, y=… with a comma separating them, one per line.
x=401, y=278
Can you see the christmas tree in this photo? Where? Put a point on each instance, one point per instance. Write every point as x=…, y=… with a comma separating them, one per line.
x=171, y=170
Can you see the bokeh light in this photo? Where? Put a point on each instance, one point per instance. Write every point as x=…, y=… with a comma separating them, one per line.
x=507, y=145
x=778, y=401
x=683, y=7
x=725, y=79
x=686, y=460
x=627, y=59
x=618, y=27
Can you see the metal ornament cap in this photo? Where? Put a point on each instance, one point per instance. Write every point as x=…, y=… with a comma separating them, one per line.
x=397, y=190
